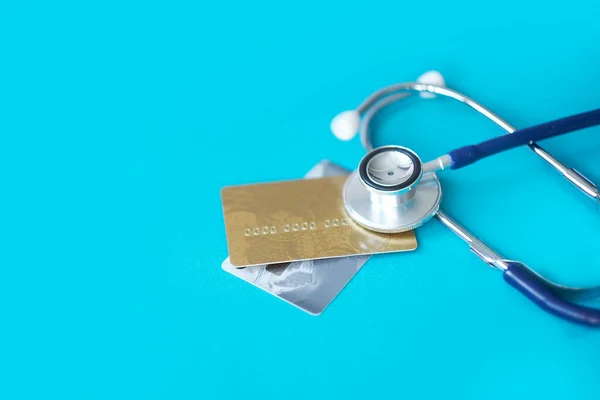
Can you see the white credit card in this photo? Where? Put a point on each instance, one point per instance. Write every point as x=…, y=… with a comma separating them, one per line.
x=309, y=285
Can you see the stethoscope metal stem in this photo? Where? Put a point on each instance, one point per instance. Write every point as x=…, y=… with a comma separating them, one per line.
x=557, y=299
x=476, y=245
x=388, y=95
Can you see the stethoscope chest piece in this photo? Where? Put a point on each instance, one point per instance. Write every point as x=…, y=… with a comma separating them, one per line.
x=389, y=193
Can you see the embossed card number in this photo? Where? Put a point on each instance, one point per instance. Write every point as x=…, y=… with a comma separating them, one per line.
x=298, y=220
x=304, y=226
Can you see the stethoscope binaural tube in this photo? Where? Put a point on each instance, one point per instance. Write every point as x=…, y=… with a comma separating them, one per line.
x=371, y=205
x=348, y=123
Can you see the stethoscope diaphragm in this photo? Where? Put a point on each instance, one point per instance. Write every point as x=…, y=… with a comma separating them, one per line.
x=389, y=193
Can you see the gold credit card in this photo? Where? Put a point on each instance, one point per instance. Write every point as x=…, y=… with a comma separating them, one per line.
x=297, y=220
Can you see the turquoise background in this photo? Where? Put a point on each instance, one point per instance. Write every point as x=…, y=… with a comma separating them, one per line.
x=121, y=121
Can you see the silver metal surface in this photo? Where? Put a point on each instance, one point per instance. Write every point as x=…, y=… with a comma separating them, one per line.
x=388, y=95
x=483, y=251
x=496, y=261
x=389, y=218
x=439, y=164
x=390, y=168
x=583, y=183
x=390, y=199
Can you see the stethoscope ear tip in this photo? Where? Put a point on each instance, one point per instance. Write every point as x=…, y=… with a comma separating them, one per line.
x=432, y=77
x=345, y=125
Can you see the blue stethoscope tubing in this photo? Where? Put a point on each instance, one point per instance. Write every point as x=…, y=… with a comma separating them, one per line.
x=467, y=155
x=556, y=299
x=549, y=296
x=429, y=85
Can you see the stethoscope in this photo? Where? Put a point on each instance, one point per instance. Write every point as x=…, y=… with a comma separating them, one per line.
x=394, y=191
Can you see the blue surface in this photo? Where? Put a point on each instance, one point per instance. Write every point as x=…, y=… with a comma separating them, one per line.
x=121, y=121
